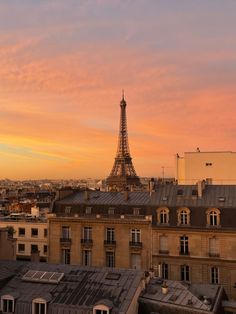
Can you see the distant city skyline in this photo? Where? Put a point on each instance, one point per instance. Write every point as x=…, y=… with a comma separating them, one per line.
x=63, y=65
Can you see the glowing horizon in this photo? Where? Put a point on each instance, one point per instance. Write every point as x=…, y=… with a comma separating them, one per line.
x=63, y=66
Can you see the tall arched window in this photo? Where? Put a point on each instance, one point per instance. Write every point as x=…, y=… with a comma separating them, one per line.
x=163, y=215
x=183, y=216
x=213, y=217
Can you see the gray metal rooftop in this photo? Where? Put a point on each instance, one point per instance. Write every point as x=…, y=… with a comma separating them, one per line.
x=196, y=298
x=80, y=288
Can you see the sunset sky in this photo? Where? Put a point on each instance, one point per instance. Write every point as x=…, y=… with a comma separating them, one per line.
x=64, y=63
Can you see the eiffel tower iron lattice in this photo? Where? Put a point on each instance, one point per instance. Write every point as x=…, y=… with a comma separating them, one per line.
x=123, y=174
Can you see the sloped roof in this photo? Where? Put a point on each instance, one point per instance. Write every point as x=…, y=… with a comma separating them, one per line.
x=80, y=288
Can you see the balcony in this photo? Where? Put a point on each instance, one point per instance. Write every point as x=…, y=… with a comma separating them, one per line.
x=110, y=243
x=214, y=255
x=86, y=242
x=66, y=242
x=164, y=252
x=135, y=245
x=184, y=253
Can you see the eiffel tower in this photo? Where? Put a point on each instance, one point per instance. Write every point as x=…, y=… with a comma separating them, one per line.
x=123, y=175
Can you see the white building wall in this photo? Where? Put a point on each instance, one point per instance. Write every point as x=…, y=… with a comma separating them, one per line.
x=220, y=167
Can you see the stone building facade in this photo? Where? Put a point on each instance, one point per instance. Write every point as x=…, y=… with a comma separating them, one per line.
x=181, y=232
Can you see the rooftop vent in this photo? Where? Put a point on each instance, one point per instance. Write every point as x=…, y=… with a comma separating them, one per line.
x=113, y=276
x=221, y=199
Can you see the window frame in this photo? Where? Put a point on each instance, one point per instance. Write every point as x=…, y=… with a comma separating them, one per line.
x=214, y=275
x=86, y=257
x=21, y=251
x=9, y=299
x=163, y=215
x=36, y=230
x=110, y=259
x=185, y=273
x=39, y=301
x=21, y=234
x=184, y=245
x=213, y=217
x=135, y=235
x=183, y=216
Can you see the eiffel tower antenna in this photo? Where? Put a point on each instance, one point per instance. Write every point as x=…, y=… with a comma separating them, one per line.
x=123, y=174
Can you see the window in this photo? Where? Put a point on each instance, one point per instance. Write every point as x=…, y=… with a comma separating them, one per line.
x=45, y=249
x=65, y=232
x=136, y=211
x=7, y=304
x=163, y=244
x=213, y=217
x=34, y=248
x=101, y=312
x=110, y=259
x=86, y=257
x=87, y=233
x=163, y=270
x=208, y=164
x=111, y=211
x=184, y=272
x=183, y=216
x=214, y=249
x=88, y=210
x=34, y=232
x=66, y=256
x=45, y=233
x=135, y=235
x=39, y=306
x=67, y=209
x=21, y=248
x=214, y=275
x=21, y=232
x=163, y=215
x=110, y=235
x=184, y=245
x=180, y=192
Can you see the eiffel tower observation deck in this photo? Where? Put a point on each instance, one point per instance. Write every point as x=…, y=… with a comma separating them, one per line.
x=123, y=175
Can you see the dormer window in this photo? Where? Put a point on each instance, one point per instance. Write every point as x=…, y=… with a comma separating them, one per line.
x=183, y=216
x=88, y=210
x=39, y=306
x=180, y=192
x=163, y=215
x=102, y=308
x=213, y=217
x=135, y=211
x=7, y=304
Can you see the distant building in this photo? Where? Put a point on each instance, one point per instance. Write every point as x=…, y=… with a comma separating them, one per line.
x=214, y=167
x=40, y=288
x=7, y=245
x=30, y=236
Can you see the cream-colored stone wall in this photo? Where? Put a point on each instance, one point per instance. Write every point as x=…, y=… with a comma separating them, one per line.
x=193, y=167
x=27, y=240
x=122, y=248
x=198, y=259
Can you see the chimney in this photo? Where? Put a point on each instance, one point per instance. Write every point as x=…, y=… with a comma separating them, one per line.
x=86, y=195
x=164, y=288
x=199, y=189
x=126, y=194
x=151, y=186
x=35, y=256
